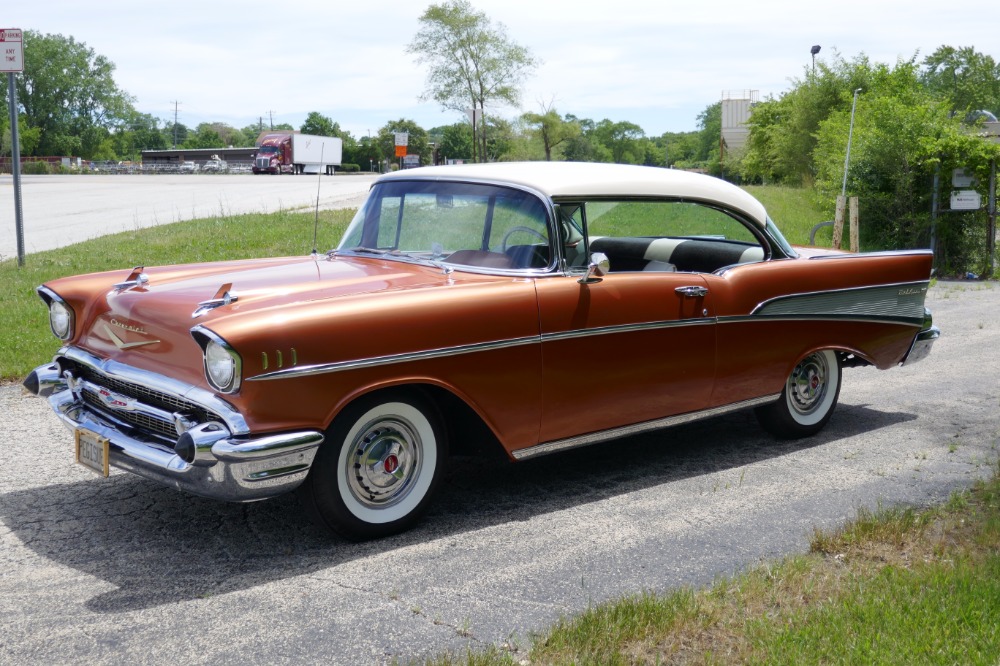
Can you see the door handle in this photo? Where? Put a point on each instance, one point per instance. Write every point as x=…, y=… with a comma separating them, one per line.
x=692, y=292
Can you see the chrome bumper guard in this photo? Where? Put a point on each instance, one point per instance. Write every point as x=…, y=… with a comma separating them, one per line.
x=224, y=467
x=923, y=341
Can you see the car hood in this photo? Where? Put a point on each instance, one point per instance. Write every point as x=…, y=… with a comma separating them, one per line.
x=149, y=325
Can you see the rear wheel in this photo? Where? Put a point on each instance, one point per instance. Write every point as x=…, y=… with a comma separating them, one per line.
x=808, y=399
x=378, y=467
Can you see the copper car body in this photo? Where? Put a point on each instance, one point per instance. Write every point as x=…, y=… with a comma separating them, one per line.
x=467, y=333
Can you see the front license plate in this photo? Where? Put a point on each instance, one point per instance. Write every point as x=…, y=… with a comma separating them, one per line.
x=92, y=451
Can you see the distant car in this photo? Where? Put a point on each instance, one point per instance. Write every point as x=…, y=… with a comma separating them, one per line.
x=534, y=307
x=215, y=165
x=188, y=167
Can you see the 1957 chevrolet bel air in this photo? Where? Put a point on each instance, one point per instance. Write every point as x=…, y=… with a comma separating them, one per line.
x=534, y=306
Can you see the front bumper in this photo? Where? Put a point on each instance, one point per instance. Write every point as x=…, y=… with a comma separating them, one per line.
x=216, y=463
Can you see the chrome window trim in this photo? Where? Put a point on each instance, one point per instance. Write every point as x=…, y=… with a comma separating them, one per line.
x=199, y=396
x=546, y=448
x=555, y=260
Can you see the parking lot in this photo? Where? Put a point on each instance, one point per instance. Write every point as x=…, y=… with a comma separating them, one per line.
x=63, y=209
x=108, y=571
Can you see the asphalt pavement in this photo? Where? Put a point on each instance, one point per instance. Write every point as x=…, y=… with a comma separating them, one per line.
x=59, y=210
x=109, y=571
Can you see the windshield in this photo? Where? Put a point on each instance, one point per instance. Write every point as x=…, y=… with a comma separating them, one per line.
x=463, y=224
x=267, y=150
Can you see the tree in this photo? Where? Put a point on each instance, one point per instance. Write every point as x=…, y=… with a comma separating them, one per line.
x=175, y=134
x=68, y=92
x=456, y=142
x=550, y=129
x=969, y=80
x=585, y=147
x=472, y=61
x=205, y=136
x=318, y=124
x=623, y=140
x=417, y=143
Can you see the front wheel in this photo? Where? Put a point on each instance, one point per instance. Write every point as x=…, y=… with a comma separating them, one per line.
x=808, y=399
x=377, y=469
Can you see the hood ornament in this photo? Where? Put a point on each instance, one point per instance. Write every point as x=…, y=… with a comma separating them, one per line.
x=135, y=279
x=222, y=297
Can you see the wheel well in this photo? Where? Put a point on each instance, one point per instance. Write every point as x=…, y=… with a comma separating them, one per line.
x=468, y=435
x=466, y=432
x=851, y=360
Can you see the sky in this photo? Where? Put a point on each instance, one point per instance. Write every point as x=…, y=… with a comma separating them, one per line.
x=657, y=64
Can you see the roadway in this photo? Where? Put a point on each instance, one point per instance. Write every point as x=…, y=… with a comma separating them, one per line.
x=122, y=570
x=63, y=209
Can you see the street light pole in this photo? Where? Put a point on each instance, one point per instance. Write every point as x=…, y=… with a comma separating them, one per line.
x=850, y=133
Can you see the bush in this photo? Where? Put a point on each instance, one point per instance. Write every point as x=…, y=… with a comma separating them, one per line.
x=349, y=168
x=36, y=168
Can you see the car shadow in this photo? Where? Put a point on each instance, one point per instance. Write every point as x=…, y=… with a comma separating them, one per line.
x=153, y=545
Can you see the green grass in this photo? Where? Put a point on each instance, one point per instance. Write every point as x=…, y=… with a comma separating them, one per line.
x=795, y=211
x=29, y=343
x=893, y=587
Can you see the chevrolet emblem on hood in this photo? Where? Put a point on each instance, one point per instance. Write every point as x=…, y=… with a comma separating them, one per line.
x=121, y=344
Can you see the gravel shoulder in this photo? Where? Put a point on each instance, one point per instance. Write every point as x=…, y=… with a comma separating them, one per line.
x=122, y=570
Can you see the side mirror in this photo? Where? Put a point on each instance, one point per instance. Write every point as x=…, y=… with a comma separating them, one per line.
x=597, y=269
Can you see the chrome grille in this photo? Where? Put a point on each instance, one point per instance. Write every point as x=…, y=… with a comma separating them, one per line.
x=161, y=428
x=164, y=429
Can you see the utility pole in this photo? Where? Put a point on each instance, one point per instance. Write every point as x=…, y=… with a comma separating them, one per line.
x=176, y=104
x=270, y=115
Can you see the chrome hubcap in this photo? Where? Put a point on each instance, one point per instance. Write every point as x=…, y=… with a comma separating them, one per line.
x=383, y=463
x=808, y=383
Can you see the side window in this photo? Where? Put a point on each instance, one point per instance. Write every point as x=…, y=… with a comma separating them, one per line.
x=669, y=236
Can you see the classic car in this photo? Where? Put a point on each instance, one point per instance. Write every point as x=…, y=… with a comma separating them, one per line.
x=533, y=307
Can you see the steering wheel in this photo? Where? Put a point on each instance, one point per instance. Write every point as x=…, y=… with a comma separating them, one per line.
x=514, y=230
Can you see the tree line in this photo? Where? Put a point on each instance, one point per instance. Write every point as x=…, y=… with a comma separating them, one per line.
x=70, y=105
x=915, y=121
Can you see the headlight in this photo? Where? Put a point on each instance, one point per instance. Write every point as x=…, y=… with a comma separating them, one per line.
x=222, y=367
x=61, y=320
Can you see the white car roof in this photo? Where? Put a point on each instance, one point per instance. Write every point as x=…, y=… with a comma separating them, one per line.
x=590, y=179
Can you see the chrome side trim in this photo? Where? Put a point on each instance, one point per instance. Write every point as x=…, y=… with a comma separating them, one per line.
x=625, y=328
x=900, y=301
x=907, y=321
x=340, y=366
x=199, y=396
x=882, y=253
x=626, y=431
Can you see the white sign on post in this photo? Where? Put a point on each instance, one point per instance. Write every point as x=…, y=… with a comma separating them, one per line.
x=11, y=50
x=966, y=200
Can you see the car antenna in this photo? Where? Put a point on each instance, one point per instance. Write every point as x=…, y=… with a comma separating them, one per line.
x=319, y=181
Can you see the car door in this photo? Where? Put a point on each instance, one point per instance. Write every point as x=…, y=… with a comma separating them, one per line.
x=632, y=347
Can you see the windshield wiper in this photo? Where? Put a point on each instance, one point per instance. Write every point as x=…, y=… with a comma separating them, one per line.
x=375, y=250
